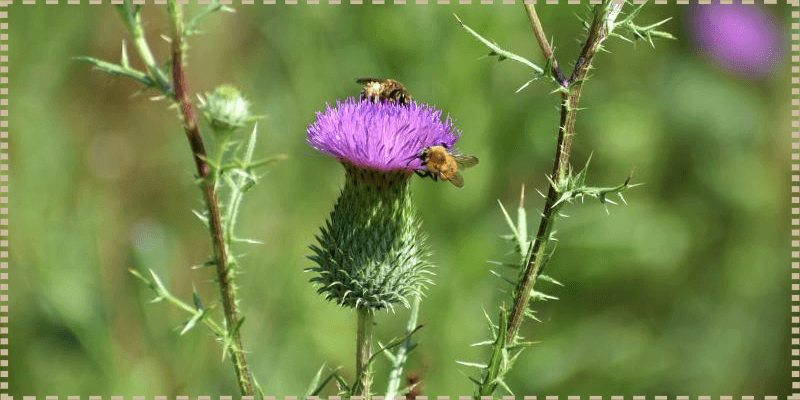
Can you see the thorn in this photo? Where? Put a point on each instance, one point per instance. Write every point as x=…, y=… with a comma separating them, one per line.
x=522, y=197
x=166, y=39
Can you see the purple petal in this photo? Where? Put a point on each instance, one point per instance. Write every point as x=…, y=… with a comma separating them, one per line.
x=383, y=135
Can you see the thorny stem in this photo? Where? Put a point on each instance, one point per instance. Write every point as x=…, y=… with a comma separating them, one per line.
x=395, y=375
x=364, y=351
x=224, y=276
x=544, y=44
x=604, y=16
x=131, y=19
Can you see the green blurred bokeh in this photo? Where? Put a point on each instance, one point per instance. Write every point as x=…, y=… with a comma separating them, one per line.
x=685, y=291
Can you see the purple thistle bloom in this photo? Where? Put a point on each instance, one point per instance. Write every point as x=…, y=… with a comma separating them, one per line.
x=742, y=39
x=383, y=136
x=370, y=252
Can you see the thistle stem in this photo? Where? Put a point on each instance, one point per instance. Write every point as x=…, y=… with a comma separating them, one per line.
x=544, y=44
x=396, y=373
x=224, y=276
x=602, y=22
x=130, y=16
x=364, y=351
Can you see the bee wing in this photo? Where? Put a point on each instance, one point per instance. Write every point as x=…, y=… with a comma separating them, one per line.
x=457, y=180
x=465, y=161
x=365, y=81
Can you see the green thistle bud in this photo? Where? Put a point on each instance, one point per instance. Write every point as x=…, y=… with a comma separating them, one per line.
x=226, y=110
x=370, y=251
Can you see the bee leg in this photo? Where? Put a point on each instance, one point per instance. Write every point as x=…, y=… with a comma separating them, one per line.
x=427, y=173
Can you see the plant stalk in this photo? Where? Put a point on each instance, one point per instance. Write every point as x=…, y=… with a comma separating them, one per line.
x=544, y=44
x=396, y=373
x=364, y=351
x=130, y=16
x=224, y=275
x=604, y=16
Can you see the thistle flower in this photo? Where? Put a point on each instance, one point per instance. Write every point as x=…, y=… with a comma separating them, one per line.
x=743, y=39
x=370, y=251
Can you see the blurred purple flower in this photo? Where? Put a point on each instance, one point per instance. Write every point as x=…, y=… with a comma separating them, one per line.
x=384, y=135
x=742, y=39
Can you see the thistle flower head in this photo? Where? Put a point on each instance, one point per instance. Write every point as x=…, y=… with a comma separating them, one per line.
x=742, y=39
x=226, y=109
x=382, y=136
x=370, y=252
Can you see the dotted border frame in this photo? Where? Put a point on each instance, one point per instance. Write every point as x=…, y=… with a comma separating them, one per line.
x=795, y=199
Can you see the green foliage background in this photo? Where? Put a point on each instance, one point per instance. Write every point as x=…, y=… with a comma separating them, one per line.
x=683, y=292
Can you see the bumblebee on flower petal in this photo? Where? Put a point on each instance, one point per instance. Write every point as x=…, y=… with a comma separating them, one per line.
x=380, y=89
x=445, y=165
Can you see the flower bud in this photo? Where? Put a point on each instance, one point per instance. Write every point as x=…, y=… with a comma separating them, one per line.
x=226, y=110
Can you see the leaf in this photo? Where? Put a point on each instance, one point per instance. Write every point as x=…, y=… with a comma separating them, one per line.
x=118, y=70
x=249, y=241
x=536, y=295
x=522, y=223
x=471, y=364
x=508, y=221
x=258, y=386
x=141, y=278
x=312, y=387
x=496, y=50
x=201, y=217
x=228, y=344
x=251, y=145
x=268, y=161
x=194, y=320
x=505, y=386
x=497, y=274
x=212, y=7
x=196, y=299
x=388, y=354
x=524, y=85
x=341, y=382
x=394, y=343
x=333, y=375
x=502, y=264
x=549, y=279
x=496, y=365
x=159, y=285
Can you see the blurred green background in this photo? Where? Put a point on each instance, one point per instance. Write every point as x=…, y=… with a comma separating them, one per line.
x=685, y=291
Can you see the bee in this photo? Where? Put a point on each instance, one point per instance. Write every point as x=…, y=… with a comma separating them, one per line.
x=444, y=165
x=377, y=89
